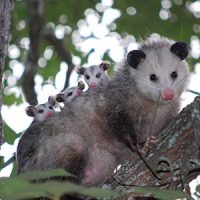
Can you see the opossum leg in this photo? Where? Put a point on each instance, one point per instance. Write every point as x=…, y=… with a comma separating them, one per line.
x=99, y=168
x=151, y=140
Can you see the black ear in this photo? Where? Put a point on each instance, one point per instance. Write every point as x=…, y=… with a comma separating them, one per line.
x=80, y=70
x=30, y=111
x=105, y=65
x=51, y=100
x=135, y=57
x=81, y=85
x=60, y=97
x=180, y=49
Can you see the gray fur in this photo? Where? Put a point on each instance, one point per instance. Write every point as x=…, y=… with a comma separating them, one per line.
x=95, y=75
x=91, y=136
x=42, y=111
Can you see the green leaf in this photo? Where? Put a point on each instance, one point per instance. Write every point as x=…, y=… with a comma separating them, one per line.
x=99, y=193
x=8, y=162
x=12, y=99
x=9, y=135
x=55, y=188
x=14, y=188
x=163, y=193
x=44, y=174
x=1, y=160
x=20, y=187
x=14, y=169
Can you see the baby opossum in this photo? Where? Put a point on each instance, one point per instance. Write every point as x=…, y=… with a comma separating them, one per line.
x=70, y=93
x=94, y=75
x=42, y=111
x=91, y=140
x=28, y=141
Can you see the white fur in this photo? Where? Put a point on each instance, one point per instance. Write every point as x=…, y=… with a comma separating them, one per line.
x=161, y=62
x=71, y=93
x=44, y=115
x=92, y=72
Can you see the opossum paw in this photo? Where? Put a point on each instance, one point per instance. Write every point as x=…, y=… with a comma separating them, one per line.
x=151, y=140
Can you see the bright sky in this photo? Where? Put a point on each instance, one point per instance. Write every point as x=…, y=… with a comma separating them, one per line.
x=104, y=41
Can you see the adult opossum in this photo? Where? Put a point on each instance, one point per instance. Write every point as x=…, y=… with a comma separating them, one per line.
x=97, y=130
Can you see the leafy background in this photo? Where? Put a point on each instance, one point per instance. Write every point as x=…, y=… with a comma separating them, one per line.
x=82, y=26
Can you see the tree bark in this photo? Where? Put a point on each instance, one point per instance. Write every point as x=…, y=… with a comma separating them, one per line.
x=35, y=25
x=5, y=22
x=175, y=158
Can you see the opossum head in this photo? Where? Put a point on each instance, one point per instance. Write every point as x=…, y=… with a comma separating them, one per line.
x=159, y=69
x=70, y=93
x=95, y=74
x=42, y=111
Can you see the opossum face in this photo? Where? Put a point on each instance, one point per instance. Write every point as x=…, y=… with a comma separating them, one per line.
x=93, y=75
x=160, y=72
x=70, y=93
x=41, y=112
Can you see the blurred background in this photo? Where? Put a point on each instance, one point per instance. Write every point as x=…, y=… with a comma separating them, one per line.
x=50, y=37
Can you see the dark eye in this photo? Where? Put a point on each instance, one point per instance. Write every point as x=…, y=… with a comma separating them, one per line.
x=153, y=77
x=87, y=77
x=40, y=111
x=69, y=94
x=98, y=75
x=174, y=75
x=50, y=107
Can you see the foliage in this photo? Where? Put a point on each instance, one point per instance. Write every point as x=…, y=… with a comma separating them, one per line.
x=137, y=19
x=181, y=24
x=163, y=193
x=9, y=135
x=33, y=185
x=8, y=162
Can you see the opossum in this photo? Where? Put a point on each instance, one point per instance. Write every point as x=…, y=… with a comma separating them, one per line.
x=28, y=141
x=94, y=75
x=99, y=129
x=42, y=111
x=70, y=93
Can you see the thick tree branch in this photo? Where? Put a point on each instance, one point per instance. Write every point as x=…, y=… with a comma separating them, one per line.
x=35, y=25
x=175, y=157
x=62, y=51
x=5, y=22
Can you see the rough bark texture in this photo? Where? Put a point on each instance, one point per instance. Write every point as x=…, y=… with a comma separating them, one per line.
x=35, y=25
x=175, y=158
x=62, y=51
x=5, y=22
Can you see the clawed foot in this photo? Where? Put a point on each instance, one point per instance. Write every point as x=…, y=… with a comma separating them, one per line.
x=151, y=140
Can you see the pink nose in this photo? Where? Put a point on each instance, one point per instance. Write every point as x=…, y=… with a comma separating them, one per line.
x=78, y=93
x=168, y=94
x=49, y=114
x=93, y=85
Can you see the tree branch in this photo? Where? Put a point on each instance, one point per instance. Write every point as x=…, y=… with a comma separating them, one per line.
x=62, y=51
x=5, y=22
x=35, y=24
x=175, y=157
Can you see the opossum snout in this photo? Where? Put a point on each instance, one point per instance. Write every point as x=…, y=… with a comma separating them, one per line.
x=93, y=85
x=49, y=114
x=168, y=94
x=78, y=93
